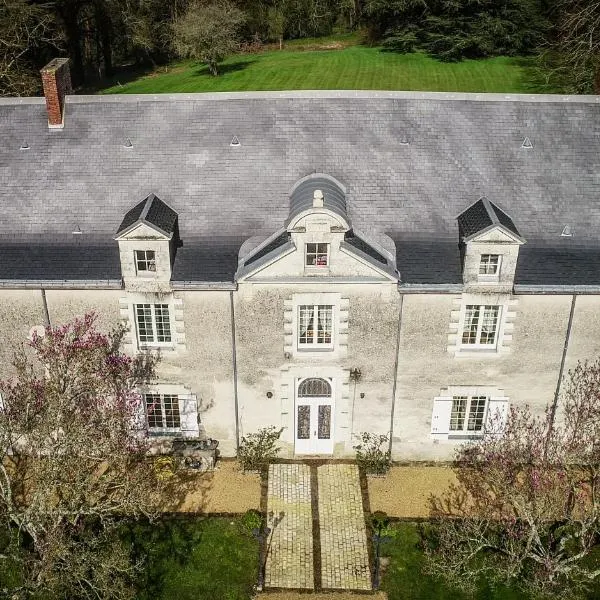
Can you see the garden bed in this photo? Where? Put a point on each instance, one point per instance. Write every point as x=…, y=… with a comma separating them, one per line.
x=404, y=492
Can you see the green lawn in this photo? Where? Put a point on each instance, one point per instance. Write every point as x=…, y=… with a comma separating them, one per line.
x=353, y=67
x=404, y=577
x=192, y=558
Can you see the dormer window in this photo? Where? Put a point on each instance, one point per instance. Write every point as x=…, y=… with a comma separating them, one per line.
x=145, y=262
x=489, y=265
x=317, y=255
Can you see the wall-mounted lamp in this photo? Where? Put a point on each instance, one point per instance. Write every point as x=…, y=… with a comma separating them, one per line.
x=355, y=374
x=269, y=395
x=362, y=394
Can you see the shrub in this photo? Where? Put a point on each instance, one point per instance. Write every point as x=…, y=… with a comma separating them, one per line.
x=258, y=449
x=370, y=455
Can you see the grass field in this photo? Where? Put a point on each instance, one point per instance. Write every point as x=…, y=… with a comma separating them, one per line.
x=349, y=66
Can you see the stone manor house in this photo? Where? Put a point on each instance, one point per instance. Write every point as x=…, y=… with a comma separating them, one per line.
x=326, y=262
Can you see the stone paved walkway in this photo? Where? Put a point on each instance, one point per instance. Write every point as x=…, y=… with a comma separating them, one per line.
x=343, y=562
x=290, y=556
x=344, y=555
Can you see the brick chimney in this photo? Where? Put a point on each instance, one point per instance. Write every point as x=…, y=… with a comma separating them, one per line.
x=56, y=80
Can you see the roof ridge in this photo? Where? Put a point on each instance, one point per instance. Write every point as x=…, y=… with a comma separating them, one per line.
x=490, y=210
x=146, y=209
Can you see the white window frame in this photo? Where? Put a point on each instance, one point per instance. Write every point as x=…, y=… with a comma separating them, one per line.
x=154, y=342
x=489, y=276
x=315, y=344
x=317, y=254
x=164, y=427
x=144, y=260
x=477, y=345
x=469, y=402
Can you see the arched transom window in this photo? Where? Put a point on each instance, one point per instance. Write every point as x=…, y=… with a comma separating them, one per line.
x=314, y=388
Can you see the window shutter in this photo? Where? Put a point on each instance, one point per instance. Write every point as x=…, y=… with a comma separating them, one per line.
x=188, y=411
x=497, y=414
x=440, y=418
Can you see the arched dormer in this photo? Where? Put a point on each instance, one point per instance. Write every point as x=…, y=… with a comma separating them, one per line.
x=317, y=240
x=321, y=196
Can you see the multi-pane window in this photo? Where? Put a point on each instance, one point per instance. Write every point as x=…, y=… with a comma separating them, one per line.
x=481, y=325
x=153, y=323
x=162, y=411
x=468, y=413
x=489, y=264
x=315, y=325
x=145, y=261
x=317, y=255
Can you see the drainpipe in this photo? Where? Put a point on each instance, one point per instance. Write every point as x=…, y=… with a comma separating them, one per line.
x=45, y=305
x=395, y=384
x=235, y=374
x=560, y=374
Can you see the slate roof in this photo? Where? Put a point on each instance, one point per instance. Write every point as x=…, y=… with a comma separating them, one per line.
x=409, y=162
x=483, y=215
x=152, y=211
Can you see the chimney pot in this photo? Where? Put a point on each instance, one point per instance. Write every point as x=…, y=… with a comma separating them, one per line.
x=56, y=80
x=318, y=199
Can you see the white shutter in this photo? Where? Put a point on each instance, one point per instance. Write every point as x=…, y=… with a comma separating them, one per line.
x=440, y=418
x=497, y=414
x=188, y=412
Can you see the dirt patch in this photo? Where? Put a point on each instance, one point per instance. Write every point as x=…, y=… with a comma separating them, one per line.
x=319, y=596
x=404, y=492
x=225, y=490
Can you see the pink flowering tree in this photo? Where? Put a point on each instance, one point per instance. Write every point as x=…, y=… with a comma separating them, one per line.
x=525, y=511
x=73, y=461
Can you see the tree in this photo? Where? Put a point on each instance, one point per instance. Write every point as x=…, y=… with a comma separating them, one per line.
x=526, y=509
x=73, y=461
x=24, y=27
x=572, y=54
x=208, y=32
x=455, y=29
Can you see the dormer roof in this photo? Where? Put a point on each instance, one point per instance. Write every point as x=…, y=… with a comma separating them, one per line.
x=151, y=211
x=303, y=195
x=481, y=217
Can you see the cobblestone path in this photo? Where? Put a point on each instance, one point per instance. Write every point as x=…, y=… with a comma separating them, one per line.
x=343, y=562
x=344, y=555
x=290, y=556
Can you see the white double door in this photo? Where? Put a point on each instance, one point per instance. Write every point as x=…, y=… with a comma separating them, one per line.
x=314, y=425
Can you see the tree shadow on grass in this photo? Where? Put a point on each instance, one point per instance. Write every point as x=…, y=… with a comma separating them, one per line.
x=240, y=65
x=534, y=79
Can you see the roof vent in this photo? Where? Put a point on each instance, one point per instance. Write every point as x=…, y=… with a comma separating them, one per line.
x=404, y=142
x=318, y=199
x=567, y=231
x=235, y=141
x=527, y=143
x=24, y=146
x=77, y=231
x=128, y=143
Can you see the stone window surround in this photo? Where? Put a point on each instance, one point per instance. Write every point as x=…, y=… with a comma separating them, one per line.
x=339, y=325
x=128, y=316
x=442, y=410
x=504, y=335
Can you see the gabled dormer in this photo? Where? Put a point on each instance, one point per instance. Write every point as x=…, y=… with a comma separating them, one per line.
x=489, y=242
x=148, y=237
x=317, y=241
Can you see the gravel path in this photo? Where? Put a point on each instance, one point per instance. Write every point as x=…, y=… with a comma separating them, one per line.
x=225, y=490
x=404, y=492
